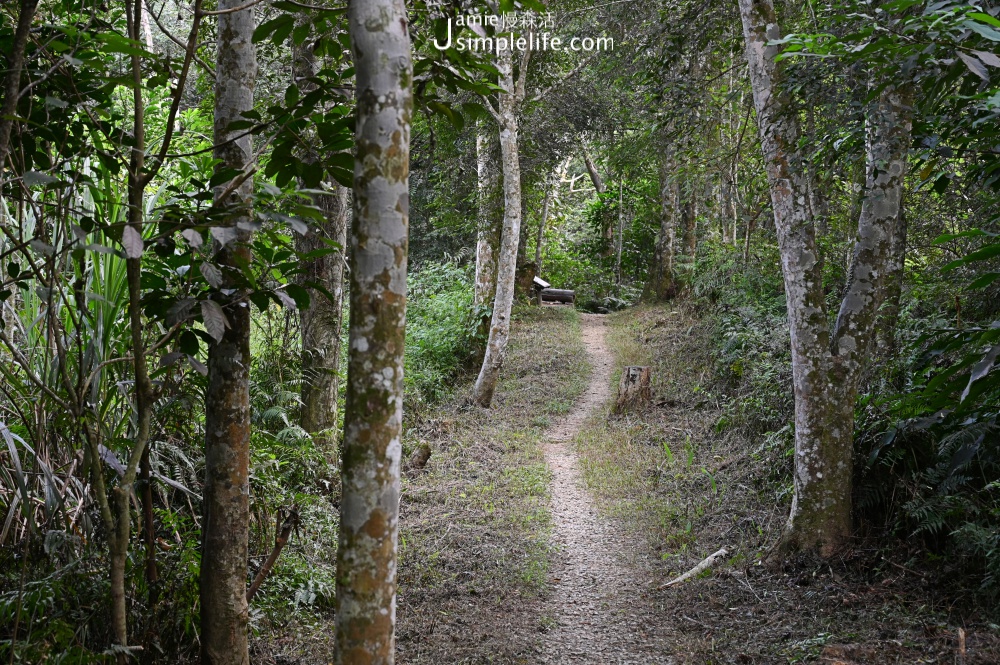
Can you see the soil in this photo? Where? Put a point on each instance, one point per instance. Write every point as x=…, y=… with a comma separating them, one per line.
x=597, y=602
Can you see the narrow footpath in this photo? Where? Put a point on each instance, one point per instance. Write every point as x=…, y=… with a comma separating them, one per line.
x=599, y=604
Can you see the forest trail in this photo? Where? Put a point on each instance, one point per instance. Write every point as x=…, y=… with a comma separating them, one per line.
x=597, y=597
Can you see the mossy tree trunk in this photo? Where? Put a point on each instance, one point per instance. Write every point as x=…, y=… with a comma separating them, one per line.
x=373, y=418
x=826, y=363
x=227, y=398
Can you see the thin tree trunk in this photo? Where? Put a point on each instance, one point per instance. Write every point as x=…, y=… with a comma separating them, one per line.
x=825, y=365
x=322, y=321
x=595, y=176
x=227, y=397
x=541, y=227
x=488, y=234
x=621, y=232
x=12, y=83
x=496, y=347
x=689, y=214
x=373, y=419
x=661, y=285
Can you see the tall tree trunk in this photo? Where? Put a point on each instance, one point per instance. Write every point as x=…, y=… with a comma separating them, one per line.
x=621, y=234
x=825, y=364
x=689, y=213
x=888, y=342
x=549, y=186
x=227, y=398
x=373, y=419
x=322, y=321
x=661, y=286
x=496, y=347
x=489, y=225
x=12, y=82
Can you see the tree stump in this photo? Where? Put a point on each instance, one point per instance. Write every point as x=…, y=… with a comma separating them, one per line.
x=633, y=389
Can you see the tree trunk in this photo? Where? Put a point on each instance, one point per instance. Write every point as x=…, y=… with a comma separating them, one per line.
x=373, y=419
x=621, y=233
x=227, y=397
x=595, y=176
x=12, y=83
x=490, y=222
x=824, y=365
x=634, y=389
x=321, y=322
x=888, y=342
x=689, y=213
x=496, y=347
x=661, y=286
x=541, y=227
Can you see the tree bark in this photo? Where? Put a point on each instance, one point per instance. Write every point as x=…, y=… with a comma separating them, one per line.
x=373, y=419
x=322, y=321
x=661, y=286
x=595, y=176
x=227, y=397
x=490, y=222
x=12, y=83
x=496, y=347
x=825, y=365
x=541, y=227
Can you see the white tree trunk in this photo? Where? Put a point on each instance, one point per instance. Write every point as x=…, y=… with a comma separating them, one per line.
x=488, y=232
x=825, y=365
x=373, y=415
x=496, y=347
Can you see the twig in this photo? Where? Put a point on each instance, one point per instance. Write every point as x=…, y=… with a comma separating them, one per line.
x=707, y=563
x=284, y=531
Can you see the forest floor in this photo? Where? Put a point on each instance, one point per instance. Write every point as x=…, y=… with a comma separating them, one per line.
x=541, y=530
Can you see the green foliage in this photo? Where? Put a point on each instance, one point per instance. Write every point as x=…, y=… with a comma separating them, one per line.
x=441, y=330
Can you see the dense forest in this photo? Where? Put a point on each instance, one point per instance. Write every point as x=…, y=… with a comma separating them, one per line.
x=313, y=314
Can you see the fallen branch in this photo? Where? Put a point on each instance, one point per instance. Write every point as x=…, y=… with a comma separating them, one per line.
x=707, y=563
x=284, y=531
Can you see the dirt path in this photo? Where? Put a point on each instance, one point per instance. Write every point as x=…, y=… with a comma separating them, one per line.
x=598, y=604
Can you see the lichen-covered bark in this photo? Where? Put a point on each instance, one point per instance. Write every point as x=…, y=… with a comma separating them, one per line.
x=873, y=260
x=496, y=347
x=825, y=366
x=489, y=224
x=227, y=398
x=322, y=321
x=369, y=508
x=661, y=283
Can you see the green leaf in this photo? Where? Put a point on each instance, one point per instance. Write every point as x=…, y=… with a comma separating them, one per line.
x=984, y=30
x=299, y=295
x=188, y=343
x=985, y=18
x=214, y=319
x=267, y=28
x=984, y=280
